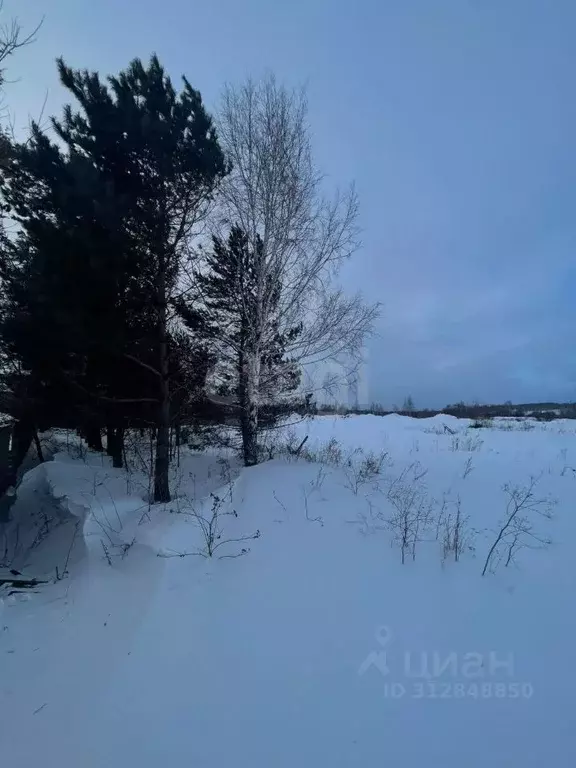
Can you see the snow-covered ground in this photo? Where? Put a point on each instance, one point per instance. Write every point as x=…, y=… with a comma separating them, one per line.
x=316, y=647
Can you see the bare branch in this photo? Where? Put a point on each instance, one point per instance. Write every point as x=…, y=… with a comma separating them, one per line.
x=142, y=364
x=12, y=37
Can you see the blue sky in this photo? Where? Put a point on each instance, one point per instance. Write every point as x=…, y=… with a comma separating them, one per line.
x=457, y=121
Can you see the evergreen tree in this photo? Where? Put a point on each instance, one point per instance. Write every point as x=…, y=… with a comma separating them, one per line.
x=107, y=222
x=228, y=314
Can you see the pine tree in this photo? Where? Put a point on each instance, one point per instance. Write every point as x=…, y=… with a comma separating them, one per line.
x=107, y=223
x=228, y=285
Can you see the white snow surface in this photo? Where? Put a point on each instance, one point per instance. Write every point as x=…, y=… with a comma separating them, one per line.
x=317, y=648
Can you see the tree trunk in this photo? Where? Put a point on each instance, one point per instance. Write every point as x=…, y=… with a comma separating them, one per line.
x=178, y=440
x=22, y=436
x=117, y=448
x=109, y=439
x=162, y=464
x=247, y=395
x=93, y=437
x=115, y=445
x=250, y=434
x=249, y=410
x=38, y=447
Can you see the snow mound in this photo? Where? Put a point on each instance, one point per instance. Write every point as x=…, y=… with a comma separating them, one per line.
x=45, y=530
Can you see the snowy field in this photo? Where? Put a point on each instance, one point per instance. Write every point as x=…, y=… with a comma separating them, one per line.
x=305, y=641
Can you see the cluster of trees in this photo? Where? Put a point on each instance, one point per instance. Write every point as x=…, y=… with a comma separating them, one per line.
x=154, y=269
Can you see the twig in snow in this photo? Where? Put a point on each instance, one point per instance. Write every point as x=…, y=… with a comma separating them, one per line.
x=65, y=571
x=106, y=552
x=317, y=519
x=279, y=502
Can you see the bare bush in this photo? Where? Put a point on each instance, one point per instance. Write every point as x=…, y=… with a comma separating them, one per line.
x=484, y=423
x=413, y=516
x=513, y=425
x=364, y=471
x=211, y=528
x=439, y=429
x=225, y=472
x=468, y=443
x=287, y=443
x=457, y=536
x=413, y=510
x=331, y=453
x=318, y=482
x=517, y=529
x=116, y=550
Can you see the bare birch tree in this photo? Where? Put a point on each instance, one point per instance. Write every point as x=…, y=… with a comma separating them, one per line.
x=274, y=195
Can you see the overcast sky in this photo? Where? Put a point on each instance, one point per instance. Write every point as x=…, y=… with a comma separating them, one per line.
x=457, y=121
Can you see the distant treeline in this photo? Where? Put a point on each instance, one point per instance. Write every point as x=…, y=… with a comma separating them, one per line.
x=539, y=411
